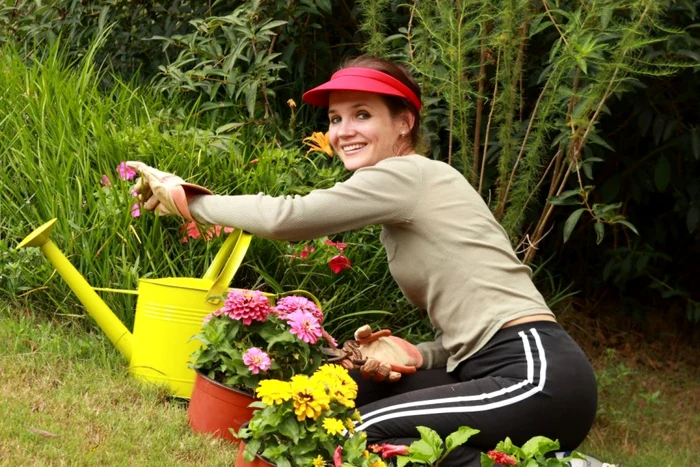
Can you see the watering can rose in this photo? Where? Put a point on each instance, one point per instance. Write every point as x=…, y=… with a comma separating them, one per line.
x=249, y=339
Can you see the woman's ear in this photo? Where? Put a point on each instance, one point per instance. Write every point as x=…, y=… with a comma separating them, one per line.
x=409, y=120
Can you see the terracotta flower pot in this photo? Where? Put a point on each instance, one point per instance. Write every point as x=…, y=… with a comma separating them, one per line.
x=214, y=408
x=257, y=462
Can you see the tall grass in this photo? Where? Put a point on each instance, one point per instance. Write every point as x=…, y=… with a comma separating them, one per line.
x=60, y=133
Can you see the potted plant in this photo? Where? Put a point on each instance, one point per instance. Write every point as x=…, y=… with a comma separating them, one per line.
x=246, y=340
x=306, y=421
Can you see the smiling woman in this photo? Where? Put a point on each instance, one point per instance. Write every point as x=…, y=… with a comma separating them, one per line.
x=500, y=362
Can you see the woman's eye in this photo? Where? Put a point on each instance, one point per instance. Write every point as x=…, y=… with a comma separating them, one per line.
x=363, y=115
x=334, y=120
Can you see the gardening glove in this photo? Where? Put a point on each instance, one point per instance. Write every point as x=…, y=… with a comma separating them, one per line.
x=164, y=193
x=386, y=357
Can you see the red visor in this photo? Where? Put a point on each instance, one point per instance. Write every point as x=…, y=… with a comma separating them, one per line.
x=360, y=79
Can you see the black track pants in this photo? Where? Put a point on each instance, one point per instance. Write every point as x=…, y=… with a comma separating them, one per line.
x=529, y=380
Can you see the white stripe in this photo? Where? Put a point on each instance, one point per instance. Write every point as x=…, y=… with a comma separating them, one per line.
x=543, y=359
x=479, y=408
x=530, y=370
x=528, y=357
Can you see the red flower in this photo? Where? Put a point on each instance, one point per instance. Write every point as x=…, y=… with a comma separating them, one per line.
x=337, y=460
x=389, y=450
x=339, y=263
x=339, y=245
x=501, y=458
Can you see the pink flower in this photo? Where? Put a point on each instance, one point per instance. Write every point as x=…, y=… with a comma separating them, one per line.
x=337, y=459
x=213, y=314
x=135, y=210
x=192, y=231
x=501, y=458
x=304, y=325
x=105, y=181
x=215, y=231
x=339, y=263
x=247, y=306
x=389, y=450
x=304, y=253
x=189, y=230
x=292, y=303
x=339, y=245
x=257, y=360
x=125, y=172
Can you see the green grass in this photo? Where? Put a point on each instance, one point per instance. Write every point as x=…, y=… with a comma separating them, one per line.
x=647, y=417
x=67, y=399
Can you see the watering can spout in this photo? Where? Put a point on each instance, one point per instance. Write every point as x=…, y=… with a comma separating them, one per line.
x=96, y=307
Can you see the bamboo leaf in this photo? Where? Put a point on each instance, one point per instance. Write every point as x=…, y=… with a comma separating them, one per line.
x=571, y=222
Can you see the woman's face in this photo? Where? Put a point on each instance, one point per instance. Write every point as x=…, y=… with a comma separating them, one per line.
x=362, y=130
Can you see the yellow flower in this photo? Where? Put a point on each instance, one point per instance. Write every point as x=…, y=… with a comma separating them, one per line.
x=333, y=426
x=318, y=142
x=341, y=387
x=292, y=105
x=274, y=391
x=350, y=425
x=309, y=397
x=378, y=463
x=319, y=462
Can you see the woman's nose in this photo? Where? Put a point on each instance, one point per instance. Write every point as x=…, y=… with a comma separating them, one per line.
x=345, y=128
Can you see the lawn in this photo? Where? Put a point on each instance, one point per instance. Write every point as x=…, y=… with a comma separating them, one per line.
x=67, y=399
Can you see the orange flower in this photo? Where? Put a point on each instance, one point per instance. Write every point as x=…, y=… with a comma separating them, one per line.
x=318, y=142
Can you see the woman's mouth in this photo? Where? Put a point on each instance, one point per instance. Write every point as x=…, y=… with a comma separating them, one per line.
x=353, y=147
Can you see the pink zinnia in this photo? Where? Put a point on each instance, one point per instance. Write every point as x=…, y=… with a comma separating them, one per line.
x=125, y=172
x=338, y=263
x=304, y=325
x=293, y=303
x=105, y=181
x=247, y=306
x=257, y=360
x=135, y=210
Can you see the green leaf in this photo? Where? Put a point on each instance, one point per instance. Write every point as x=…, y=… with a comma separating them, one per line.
x=628, y=225
x=539, y=445
x=273, y=24
x=564, y=198
x=459, y=437
x=596, y=139
x=571, y=222
x=599, y=228
x=662, y=173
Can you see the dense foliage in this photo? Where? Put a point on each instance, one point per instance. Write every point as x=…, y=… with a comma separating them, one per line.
x=575, y=120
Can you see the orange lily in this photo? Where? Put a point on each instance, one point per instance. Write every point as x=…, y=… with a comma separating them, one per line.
x=319, y=142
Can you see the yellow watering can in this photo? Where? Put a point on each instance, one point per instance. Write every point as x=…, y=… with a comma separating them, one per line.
x=169, y=311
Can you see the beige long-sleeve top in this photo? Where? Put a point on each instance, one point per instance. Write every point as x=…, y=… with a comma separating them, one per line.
x=445, y=250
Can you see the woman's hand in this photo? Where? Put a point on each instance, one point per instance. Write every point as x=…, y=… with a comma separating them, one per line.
x=386, y=357
x=164, y=193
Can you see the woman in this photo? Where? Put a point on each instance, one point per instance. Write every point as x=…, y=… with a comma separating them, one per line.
x=500, y=362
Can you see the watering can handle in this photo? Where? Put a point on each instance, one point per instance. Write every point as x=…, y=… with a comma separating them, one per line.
x=308, y=295
x=225, y=264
